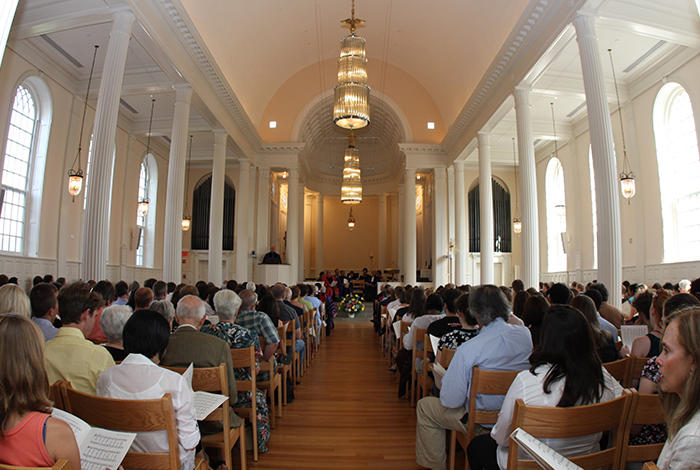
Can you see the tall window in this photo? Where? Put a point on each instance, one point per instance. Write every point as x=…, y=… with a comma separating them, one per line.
x=594, y=209
x=140, y=217
x=679, y=173
x=145, y=223
x=556, y=215
x=16, y=170
x=501, y=219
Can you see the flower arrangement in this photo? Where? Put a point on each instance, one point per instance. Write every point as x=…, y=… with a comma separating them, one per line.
x=352, y=304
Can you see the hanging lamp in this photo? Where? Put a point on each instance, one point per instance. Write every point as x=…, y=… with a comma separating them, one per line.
x=627, y=181
x=186, y=219
x=351, y=221
x=351, y=93
x=517, y=225
x=143, y=203
x=351, y=187
x=75, y=174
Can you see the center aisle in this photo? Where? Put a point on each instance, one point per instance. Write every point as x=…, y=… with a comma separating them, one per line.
x=346, y=414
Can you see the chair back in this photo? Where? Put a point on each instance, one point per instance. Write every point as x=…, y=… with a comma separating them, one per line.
x=130, y=416
x=634, y=371
x=282, y=333
x=212, y=380
x=645, y=409
x=244, y=358
x=56, y=393
x=61, y=464
x=446, y=357
x=486, y=382
x=618, y=369
x=405, y=326
x=547, y=422
x=418, y=336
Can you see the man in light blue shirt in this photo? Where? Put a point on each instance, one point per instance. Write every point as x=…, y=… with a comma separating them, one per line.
x=498, y=346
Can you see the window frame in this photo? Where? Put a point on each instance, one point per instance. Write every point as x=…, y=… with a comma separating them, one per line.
x=554, y=239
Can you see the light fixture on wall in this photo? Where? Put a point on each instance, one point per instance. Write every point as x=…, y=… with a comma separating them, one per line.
x=143, y=203
x=351, y=187
x=517, y=225
x=351, y=100
x=351, y=221
x=627, y=182
x=186, y=219
x=75, y=174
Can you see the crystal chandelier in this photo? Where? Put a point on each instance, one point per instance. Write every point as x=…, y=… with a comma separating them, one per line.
x=75, y=175
x=351, y=101
x=351, y=188
x=627, y=182
x=351, y=221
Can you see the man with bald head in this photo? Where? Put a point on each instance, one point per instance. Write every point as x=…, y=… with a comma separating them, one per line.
x=188, y=345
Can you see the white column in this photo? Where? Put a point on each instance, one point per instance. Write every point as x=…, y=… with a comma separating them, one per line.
x=95, y=249
x=381, y=229
x=607, y=200
x=451, y=217
x=263, y=238
x=216, y=208
x=527, y=179
x=293, y=223
x=302, y=209
x=242, y=221
x=409, y=227
x=401, y=238
x=6, y=16
x=319, y=234
x=440, y=262
x=461, y=242
x=485, y=209
x=172, y=236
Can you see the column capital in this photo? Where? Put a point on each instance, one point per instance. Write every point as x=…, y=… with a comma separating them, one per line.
x=458, y=165
x=183, y=92
x=584, y=23
x=123, y=20
x=484, y=137
x=521, y=93
x=244, y=163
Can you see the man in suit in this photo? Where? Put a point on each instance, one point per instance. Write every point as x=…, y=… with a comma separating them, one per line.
x=189, y=345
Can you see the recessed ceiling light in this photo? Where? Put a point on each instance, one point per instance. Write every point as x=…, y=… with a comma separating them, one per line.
x=431, y=125
x=273, y=124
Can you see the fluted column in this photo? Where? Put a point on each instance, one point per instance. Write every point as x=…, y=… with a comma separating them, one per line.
x=95, y=249
x=440, y=261
x=485, y=209
x=6, y=16
x=319, y=234
x=172, y=235
x=302, y=209
x=527, y=178
x=401, y=236
x=409, y=227
x=241, y=225
x=607, y=200
x=216, y=208
x=381, y=229
x=293, y=223
x=461, y=242
x=451, y=218
x=263, y=238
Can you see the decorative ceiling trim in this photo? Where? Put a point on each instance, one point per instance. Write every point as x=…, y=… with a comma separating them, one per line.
x=414, y=147
x=283, y=147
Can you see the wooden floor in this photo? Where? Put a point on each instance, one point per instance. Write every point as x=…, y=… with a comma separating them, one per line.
x=346, y=414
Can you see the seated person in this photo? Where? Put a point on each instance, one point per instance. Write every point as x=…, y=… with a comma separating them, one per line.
x=113, y=320
x=138, y=377
x=564, y=371
x=258, y=322
x=42, y=298
x=469, y=328
x=69, y=356
x=30, y=437
x=272, y=257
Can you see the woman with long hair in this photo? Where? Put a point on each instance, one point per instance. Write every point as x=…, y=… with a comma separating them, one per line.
x=564, y=371
x=604, y=342
x=680, y=390
x=29, y=436
x=650, y=345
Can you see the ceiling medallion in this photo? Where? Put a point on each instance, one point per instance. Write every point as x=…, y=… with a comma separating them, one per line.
x=351, y=100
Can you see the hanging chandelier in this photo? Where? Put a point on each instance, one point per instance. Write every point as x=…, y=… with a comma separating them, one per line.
x=75, y=175
x=186, y=219
x=351, y=100
x=517, y=225
x=143, y=203
x=627, y=182
x=351, y=221
x=351, y=188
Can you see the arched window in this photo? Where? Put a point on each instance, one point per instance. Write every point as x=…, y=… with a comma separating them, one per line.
x=23, y=166
x=679, y=172
x=556, y=215
x=501, y=219
x=594, y=208
x=146, y=223
x=200, y=215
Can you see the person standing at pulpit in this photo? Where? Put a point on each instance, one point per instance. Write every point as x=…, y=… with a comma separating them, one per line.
x=272, y=257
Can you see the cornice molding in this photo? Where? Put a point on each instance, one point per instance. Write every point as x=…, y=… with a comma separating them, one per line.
x=282, y=147
x=414, y=147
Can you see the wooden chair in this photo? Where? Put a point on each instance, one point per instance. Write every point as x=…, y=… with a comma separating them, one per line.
x=358, y=286
x=418, y=335
x=285, y=370
x=650, y=466
x=61, y=464
x=129, y=416
x=292, y=352
x=56, y=394
x=245, y=358
x=546, y=422
x=484, y=382
x=215, y=380
x=618, y=369
x=425, y=383
x=272, y=385
x=383, y=324
x=645, y=409
x=634, y=371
